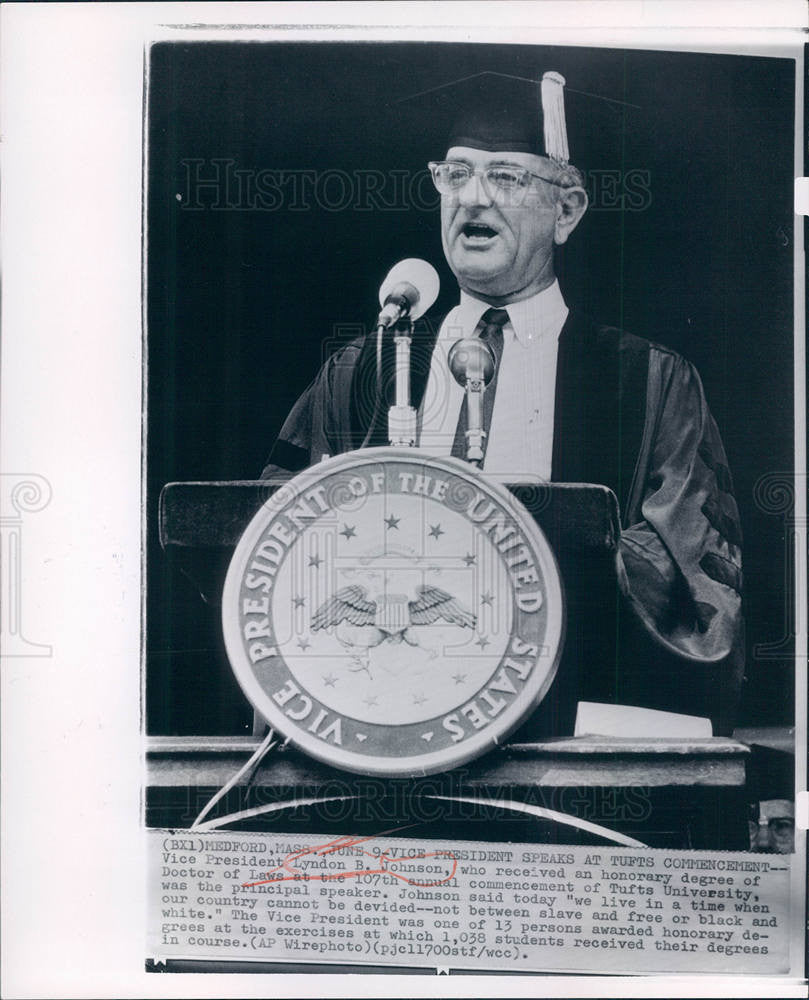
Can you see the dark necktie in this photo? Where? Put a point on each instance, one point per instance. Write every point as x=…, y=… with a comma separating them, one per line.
x=490, y=330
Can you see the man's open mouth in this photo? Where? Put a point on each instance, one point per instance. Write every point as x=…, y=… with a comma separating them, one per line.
x=477, y=232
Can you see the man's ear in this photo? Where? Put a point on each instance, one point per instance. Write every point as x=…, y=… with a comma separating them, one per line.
x=570, y=207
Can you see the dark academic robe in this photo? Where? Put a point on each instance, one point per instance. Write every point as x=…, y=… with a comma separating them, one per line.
x=630, y=415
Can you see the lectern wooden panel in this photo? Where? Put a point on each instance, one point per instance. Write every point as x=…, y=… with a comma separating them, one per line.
x=201, y=523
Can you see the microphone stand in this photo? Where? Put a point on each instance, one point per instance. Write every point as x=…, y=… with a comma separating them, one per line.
x=402, y=416
x=472, y=365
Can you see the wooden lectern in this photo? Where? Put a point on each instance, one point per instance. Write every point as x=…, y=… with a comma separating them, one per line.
x=672, y=792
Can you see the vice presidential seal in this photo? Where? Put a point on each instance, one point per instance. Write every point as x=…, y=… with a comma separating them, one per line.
x=393, y=613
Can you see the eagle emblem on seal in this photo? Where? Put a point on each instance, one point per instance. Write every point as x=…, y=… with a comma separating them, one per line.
x=359, y=624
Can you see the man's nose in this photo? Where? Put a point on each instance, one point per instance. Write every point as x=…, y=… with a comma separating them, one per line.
x=475, y=192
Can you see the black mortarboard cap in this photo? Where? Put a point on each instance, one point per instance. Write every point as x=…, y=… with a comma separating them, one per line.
x=497, y=111
x=536, y=113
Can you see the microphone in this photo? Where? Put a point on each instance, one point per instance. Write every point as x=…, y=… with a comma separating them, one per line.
x=472, y=364
x=409, y=290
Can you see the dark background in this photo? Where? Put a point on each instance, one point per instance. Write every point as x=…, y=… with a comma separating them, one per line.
x=245, y=300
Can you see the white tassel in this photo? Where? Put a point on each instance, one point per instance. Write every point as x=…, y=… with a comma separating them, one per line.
x=553, y=114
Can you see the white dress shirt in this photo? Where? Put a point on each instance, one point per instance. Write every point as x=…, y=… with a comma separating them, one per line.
x=520, y=442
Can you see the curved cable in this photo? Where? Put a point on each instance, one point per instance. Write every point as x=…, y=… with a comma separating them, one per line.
x=268, y=807
x=542, y=813
x=539, y=812
x=266, y=745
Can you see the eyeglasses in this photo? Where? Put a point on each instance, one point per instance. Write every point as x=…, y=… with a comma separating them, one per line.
x=771, y=833
x=449, y=176
x=778, y=824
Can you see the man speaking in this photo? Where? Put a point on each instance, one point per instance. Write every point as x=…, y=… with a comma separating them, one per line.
x=570, y=400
